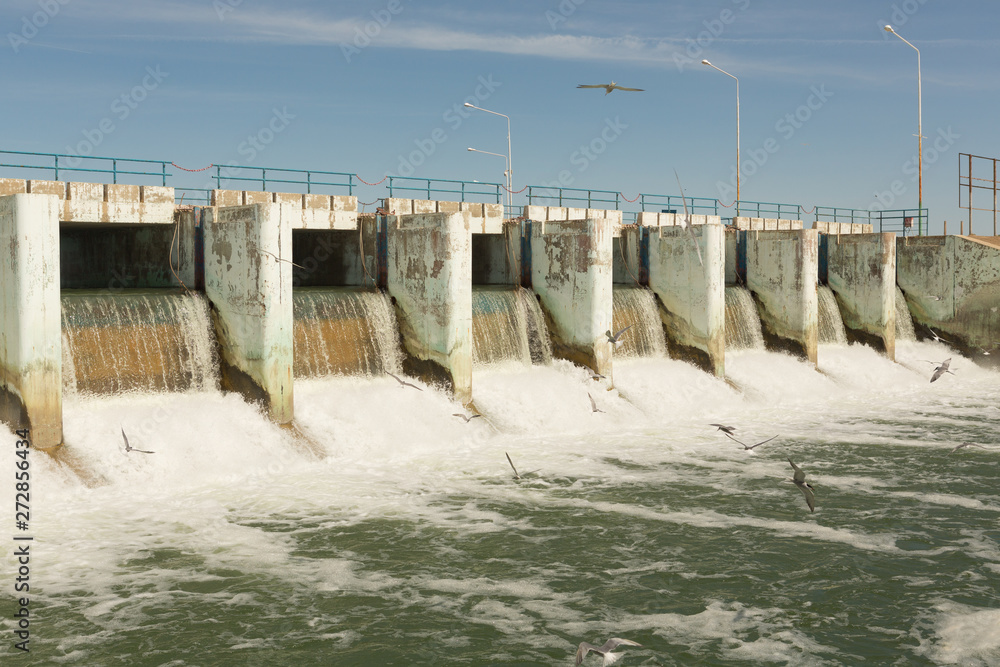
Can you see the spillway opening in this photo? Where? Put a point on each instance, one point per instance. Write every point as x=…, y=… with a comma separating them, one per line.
x=904, y=321
x=495, y=257
x=116, y=257
x=336, y=257
x=508, y=327
x=637, y=307
x=831, y=323
x=743, y=329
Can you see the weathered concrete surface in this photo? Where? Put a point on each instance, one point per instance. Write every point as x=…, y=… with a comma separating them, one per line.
x=97, y=203
x=559, y=213
x=31, y=317
x=571, y=271
x=483, y=218
x=248, y=279
x=782, y=267
x=861, y=271
x=692, y=295
x=952, y=283
x=307, y=211
x=839, y=228
x=766, y=224
x=430, y=280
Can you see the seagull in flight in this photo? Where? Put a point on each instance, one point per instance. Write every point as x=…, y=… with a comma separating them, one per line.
x=130, y=448
x=799, y=478
x=942, y=369
x=608, y=87
x=594, y=375
x=401, y=383
x=747, y=447
x=516, y=475
x=605, y=651
x=593, y=406
x=728, y=430
x=616, y=338
x=965, y=444
x=465, y=417
x=936, y=337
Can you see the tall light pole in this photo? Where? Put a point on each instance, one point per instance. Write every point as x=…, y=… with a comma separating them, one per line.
x=738, y=166
x=920, y=140
x=510, y=162
x=506, y=173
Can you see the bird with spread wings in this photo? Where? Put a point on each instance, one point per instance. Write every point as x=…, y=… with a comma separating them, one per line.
x=608, y=87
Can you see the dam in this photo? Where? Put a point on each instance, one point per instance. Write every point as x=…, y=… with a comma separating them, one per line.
x=118, y=287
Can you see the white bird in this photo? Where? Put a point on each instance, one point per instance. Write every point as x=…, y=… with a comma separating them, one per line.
x=401, y=383
x=130, y=448
x=728, y=430
x=799, y=478
x=516, y=475
x=750, y=447
x=965, y=444
x=465, y=417
x=608, y=87
x=593, y=406
x=942, y=369
x=605, y=651
x=937, y=337
x=615, y=339
x=594, y=375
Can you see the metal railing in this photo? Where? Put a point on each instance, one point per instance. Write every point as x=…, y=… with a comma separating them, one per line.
x=114, y=166
x=903, y=220
x=676, y=203
x=759, y=209
x=297, y=177
x=544, y=196
x=433, y=186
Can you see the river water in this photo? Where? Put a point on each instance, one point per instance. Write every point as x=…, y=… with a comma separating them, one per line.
x=399, y=537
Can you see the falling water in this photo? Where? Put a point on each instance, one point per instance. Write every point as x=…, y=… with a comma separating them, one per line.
x=636, y=306
x=904, y=322
x=831, y=324
x=345, y=331
x=743, y=330
x=508, y=325
x=137, y=341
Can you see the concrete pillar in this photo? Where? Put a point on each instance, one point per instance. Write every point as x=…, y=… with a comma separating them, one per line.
x=31, y=317
x=692, y=294
x=430, y=279
x=781, y=273
x=571, y=271
x=861, y=271
x=248, y=279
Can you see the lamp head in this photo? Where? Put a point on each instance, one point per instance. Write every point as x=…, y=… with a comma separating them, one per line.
x=705, y=62
x=470, y=149
x=888, y=28
x=468, y=104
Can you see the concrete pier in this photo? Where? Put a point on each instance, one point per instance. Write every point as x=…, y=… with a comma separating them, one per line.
x=430, y=281
x=782, y=268
x=571, y=272
x=248, y=279
x=692, y=294
x=31, y=317
x=861, y=271
x=952, y=283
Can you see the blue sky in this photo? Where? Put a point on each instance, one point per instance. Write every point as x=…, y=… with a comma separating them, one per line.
x=828, y=99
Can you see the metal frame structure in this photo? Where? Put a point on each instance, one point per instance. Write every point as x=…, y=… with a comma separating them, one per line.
x=969, y=183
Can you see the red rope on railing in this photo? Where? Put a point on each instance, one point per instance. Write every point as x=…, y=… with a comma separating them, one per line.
x=724, y=206
x=367, y=183
x=803, y=209
x=370, y=203
x=183, y=169
x=513, y=192
x=630, y=201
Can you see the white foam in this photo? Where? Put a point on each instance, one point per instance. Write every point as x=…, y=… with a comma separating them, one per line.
x=963, y=635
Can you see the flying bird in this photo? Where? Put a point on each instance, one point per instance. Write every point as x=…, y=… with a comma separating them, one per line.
x=942, y=369
x=593, y=406
x=401, y=383
x=604, y=651
x=728, y=430
x=937, y=337
x=465, y=417
x=799, y=478
x=750, y=447
x=594, y=375
x=516, y=475
x=608, y=87
x=616, y=338
x=964, y=444
x=130, y=448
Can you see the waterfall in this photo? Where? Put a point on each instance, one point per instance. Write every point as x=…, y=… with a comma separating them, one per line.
x=904, y=322
x=743, y=331
x=831, y=324
x=508, y=326
x=345, y=331
x=637, y=306
x=137, y=341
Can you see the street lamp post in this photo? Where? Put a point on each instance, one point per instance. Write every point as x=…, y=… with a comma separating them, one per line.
x=738, y=166
x=510, y=168
x=920, y=140
x=506, y=172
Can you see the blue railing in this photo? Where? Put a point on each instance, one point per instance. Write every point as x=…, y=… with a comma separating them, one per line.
x=297, y=177
x=433, y=186
x=114, y=166
x=902, y=220
x=760, y=209
x=676, y=203
x=552, y=196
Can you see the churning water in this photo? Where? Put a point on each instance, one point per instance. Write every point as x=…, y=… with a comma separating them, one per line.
x=636, y=307
x=743, y=329
x=831, y=324
x=405, y=540
x=508, y=325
